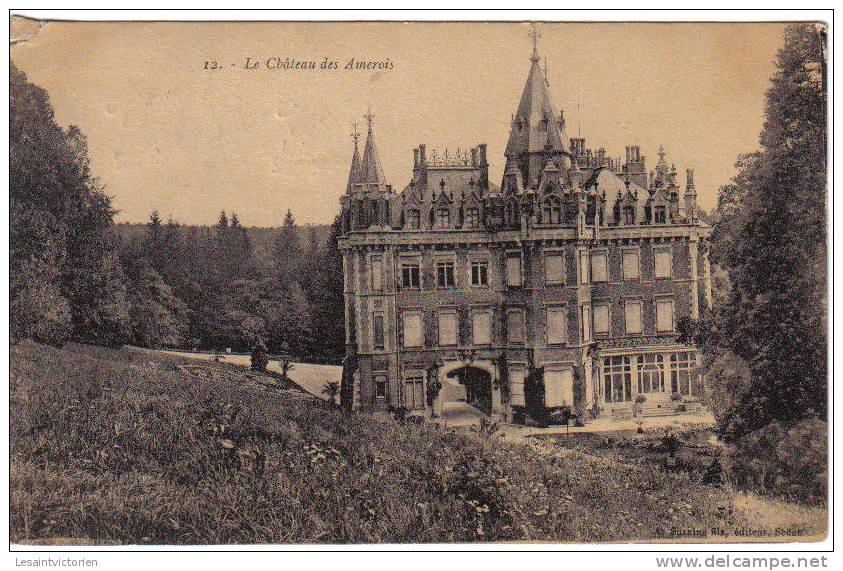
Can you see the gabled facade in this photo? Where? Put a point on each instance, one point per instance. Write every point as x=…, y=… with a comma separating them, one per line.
x=575, y=270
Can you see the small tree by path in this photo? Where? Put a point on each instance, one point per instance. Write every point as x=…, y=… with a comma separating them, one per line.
x=331, y=390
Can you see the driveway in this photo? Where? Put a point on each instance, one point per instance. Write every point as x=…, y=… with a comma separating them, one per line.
x=312, y=378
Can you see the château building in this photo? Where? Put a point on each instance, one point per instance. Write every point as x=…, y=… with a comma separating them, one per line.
x=574, y=271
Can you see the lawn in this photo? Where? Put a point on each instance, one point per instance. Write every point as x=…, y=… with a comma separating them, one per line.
x=132, y=447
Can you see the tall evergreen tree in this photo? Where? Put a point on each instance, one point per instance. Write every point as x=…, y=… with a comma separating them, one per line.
x=771, y=241
x=287, y=252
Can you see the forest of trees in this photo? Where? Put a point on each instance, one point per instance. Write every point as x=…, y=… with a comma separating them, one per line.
x=74, y=276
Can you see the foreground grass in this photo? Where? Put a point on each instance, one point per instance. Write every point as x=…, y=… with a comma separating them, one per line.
x=120, y=446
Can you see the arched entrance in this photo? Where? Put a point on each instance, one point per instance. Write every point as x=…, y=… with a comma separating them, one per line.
x=478, y=386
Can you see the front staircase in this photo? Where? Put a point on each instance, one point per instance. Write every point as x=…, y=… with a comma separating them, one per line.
x=656, y=405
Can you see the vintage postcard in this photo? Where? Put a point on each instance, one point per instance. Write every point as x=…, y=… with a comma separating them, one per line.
x=443, y=283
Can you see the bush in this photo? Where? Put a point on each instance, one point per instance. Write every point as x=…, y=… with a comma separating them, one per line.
x=786, y=460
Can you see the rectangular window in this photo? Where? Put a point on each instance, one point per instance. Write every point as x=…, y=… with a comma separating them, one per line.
x=444, y=274
x=681, y=368
x=630, y=266
x=617, y=379
x=515, y=326
x=558, y=387
x=481, y=328
x=632, y=316
x=599, y=268
x=554, y=269
x=376, y=268
x=513, y=271
x=377, y=332
x=412, y=329
x=664, y=263
x=664, y=315
x=516, y=386
x=412, y=220
x=410, y=275
x=586, y=323
x=556, y=324
x=584, y=269
x=628, y=215
x=447, y=328
x=479, y=273
x=414, y=392
x=380, y=386
x=601, y=319
x=443, y=218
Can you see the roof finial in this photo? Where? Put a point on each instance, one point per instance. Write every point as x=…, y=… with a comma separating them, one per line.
x=354, y=134
x=369, y=116
x=535, y=35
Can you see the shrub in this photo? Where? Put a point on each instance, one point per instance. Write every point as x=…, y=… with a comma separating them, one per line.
x=787, y=460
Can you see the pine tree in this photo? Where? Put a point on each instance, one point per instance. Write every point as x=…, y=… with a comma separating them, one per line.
x=287, y=253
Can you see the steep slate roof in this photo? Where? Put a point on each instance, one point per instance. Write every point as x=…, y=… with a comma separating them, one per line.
x=534, y=108
x=355, y=172
x=371, y=169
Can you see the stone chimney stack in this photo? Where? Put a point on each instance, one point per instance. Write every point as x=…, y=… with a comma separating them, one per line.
x=422, y=166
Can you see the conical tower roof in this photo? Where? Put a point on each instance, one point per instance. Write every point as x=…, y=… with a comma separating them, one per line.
x=371, y=169
x=534, y=126
x=355, y=176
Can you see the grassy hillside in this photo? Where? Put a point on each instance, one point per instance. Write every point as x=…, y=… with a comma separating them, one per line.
x=128, y=446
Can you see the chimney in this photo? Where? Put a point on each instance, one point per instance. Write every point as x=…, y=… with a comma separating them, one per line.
x=484, y=167
x=689, y=184
x=422, y=167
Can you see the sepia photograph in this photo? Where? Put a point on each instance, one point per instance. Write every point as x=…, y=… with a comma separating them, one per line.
x=406, y=282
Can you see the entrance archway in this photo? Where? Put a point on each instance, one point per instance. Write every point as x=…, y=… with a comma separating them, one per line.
x=478, y=386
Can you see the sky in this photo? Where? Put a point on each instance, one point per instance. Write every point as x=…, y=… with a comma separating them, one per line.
x=166, y=134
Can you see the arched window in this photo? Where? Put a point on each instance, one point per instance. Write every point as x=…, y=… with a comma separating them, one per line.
x=552, y=211
x=443, y=218
x=412, y=220
x=472, y=218
x=510, y=213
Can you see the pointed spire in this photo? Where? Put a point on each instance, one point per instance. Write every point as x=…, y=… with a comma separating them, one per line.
x=535, y=131
x=372, y=176
x=535, y=35
x=355, y=172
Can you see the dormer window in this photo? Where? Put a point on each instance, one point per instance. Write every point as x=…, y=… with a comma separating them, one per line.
x=552, y=211
x=443, y=218
x=412, y=220
x=472, y=218
x=660, y=215
x=510, y=213
x=629, y=215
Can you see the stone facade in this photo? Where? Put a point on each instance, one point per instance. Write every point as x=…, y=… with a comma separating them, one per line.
x=574, y=271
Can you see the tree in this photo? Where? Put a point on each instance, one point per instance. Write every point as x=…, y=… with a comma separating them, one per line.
x=328, y=298
x=158, y=318
x=74, y=273
x=771, y=241
x=287, y=253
